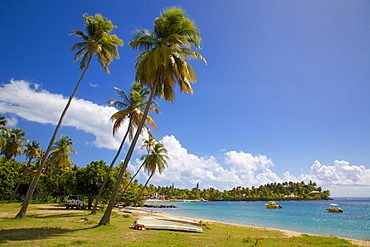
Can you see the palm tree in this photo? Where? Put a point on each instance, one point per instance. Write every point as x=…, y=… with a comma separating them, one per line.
x=155, y=160
x=148, y=144
x=132, y=108
x=32, y=151
x=3, y=129
x=14, y=143
x=96, y=41
x=60, y=159
x=161, y=64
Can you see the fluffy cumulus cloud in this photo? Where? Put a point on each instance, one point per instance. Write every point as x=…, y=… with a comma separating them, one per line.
x=244, y=169
x=28, y=101
x=340, y=178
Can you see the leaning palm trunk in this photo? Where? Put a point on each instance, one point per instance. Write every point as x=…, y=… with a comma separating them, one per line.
x=142, y=190
x=106, y=218
x=32, y=187
x=20, y=180
x=109, y=170
x=129, y=183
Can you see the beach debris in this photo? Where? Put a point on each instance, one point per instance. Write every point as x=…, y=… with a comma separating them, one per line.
x=83, y=219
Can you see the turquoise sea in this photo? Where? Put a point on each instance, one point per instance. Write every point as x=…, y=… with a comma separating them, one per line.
x=302, y=216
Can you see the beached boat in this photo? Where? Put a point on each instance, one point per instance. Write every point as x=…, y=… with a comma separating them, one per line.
x=272, y=204
x=162, y=223
x=335, y=208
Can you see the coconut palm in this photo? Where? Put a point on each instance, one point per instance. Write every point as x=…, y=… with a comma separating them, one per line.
x=132, y=108
x=3, y=129
x=96, y=41
x=156, y=160
x=148, y=144
x=32, y=151
x=160, y=65
x=15, y=143
x=60, y=159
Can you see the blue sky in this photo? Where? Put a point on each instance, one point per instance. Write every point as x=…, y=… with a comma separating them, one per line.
x=284, y=95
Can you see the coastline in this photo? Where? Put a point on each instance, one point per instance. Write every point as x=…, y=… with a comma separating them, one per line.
x=287, y=233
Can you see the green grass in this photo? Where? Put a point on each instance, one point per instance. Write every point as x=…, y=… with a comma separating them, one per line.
x=43, y=228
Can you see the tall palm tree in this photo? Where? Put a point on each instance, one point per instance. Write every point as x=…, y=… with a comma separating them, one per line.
x=32, y=151
x=96, y=41
x=15, y=143
x=148, y=144
x=161, y=64
x=155, y=160
x=132, y=108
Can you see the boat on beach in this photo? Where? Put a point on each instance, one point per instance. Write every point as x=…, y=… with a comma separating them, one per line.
x=272, y=204
x=162, y=223
x=335, y=208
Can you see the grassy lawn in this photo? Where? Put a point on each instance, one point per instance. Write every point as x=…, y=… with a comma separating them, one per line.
x=61, y=228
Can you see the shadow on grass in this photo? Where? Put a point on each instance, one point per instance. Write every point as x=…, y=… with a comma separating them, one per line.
x=34, y=233
x=61, y=215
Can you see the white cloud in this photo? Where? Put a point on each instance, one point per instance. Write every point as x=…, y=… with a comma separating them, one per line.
x=244, y=169
x=28, y=101
x=12, y=122
x=340, y=178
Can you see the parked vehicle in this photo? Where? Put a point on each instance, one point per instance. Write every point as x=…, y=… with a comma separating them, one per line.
x=75, y=201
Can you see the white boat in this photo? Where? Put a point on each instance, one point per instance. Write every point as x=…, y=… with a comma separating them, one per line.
x=174, y=224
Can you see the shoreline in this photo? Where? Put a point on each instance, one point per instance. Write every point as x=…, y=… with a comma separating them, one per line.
x=287, y=233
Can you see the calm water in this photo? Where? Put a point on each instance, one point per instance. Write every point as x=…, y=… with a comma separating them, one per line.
x=301, y=216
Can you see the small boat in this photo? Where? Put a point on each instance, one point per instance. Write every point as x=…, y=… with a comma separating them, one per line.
x=272, y=204
x=163, y=223
x=335, y=208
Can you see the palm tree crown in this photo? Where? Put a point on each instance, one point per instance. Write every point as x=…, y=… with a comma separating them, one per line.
x=15, y=143
x=33, y=150
x=162, y=62
x=97, y=40
x=156, y=159
x=60, y=158
x=132, y=107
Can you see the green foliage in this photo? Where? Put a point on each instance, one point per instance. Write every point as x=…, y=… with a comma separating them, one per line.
x=90, y=179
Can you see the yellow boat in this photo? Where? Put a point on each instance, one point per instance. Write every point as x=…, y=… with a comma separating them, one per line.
x=272, y=204
x=335, y=209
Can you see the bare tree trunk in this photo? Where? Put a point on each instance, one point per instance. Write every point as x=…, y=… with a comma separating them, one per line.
x=142, y=190
x=32, y=187
x=106, y=217
x=109, y=170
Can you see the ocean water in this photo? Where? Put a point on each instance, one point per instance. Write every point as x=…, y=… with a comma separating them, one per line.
x=302, y=216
